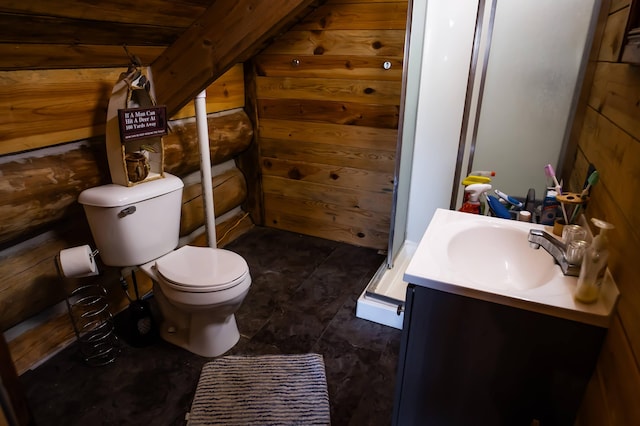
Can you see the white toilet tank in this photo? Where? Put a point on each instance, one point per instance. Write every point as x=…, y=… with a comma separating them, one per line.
x=137, y=224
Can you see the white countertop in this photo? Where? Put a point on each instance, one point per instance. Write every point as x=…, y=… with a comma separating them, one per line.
x=433, y=266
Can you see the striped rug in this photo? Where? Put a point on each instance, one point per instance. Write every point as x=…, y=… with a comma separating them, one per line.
x=262, y=390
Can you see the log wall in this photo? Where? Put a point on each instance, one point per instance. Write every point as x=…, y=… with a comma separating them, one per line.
x=41, y=216
x=327, y=113
x=607, y=134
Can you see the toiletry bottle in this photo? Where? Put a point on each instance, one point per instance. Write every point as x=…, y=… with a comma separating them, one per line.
x=524, y=216
x=487, y=173
x=472, y=198
x=475, y=179
x=530, y=204
x=549, y=207
x=594, y=265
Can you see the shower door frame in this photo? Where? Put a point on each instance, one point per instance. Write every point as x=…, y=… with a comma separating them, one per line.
x=404, y=151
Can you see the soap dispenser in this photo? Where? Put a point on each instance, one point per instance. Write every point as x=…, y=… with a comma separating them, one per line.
x=472, y=193
x=594, y=265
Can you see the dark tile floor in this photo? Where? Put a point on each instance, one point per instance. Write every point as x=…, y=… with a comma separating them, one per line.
x=302, y=299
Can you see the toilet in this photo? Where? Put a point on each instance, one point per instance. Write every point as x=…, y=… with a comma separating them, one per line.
x=198, y=289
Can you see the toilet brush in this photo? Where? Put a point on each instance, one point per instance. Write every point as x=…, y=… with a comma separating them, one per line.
x=125, y=286
x=135, y=285
x=142, y=323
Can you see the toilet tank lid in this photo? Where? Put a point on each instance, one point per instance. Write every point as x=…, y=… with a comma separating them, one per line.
x=112, y=195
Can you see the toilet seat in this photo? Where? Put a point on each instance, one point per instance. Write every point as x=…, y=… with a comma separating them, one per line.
x=201, y=269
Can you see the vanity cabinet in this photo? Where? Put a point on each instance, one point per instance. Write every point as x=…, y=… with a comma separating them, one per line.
x=465, y=361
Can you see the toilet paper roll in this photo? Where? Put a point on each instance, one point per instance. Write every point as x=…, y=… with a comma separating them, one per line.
x=78, y=262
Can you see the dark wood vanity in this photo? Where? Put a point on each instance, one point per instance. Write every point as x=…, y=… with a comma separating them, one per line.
x=465, y=361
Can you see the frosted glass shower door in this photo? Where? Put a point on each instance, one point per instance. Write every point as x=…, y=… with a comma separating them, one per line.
x=534, y=72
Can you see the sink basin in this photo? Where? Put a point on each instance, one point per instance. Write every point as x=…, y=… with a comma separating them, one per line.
x=499, y=256
x=490, y=259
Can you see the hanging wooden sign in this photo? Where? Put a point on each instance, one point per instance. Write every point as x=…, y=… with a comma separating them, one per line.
x=140, y=123
x=134, y=131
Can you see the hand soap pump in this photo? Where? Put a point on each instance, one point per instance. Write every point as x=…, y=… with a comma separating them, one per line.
x=594, y=265
x=472, y=198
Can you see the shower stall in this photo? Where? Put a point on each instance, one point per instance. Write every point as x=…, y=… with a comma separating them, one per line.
x=489, y=85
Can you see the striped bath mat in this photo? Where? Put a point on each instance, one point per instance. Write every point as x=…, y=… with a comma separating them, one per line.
x=262, y=390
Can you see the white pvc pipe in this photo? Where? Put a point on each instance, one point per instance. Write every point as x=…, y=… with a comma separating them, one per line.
x=205, y=167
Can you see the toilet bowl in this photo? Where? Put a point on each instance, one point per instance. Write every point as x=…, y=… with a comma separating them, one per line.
x=198, y=290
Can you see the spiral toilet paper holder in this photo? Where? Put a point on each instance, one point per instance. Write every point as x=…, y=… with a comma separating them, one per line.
x=91, y=318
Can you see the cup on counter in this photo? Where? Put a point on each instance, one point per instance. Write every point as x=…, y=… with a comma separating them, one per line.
x=573, y=233
x=558, y=227
x=576, y=250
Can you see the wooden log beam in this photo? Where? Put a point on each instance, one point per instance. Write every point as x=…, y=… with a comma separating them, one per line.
x=229, y=135
x=228, y=230
x=228, y=32
x=37, y=189
x=41, y=187
x=229, y=191
x=30, y=281
x=40, y=342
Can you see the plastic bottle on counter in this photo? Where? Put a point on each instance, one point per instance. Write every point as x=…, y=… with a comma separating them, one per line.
x=472, y=198
x=549, y=208
x=524, y=216
x=594, y=265
x=487, y=173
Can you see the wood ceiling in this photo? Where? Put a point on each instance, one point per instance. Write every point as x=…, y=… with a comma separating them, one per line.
x=43, y=34
x=187, y=43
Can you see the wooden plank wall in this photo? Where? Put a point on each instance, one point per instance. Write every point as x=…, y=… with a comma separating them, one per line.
x=49, y=107
x=328, y=116
x=607, y=135
x=70, y=34
x=39, y=189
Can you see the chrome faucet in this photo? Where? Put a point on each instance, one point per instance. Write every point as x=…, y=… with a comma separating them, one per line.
x=555, y=248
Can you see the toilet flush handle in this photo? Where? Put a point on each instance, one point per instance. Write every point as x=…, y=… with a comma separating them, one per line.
x=126, y=212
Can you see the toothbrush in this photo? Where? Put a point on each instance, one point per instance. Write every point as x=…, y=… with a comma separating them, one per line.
x=593, y=179
x=517, y=204
x=497, y=208
x=550, y=172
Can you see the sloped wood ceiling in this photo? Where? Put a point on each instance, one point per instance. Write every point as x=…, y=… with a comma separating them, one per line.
x=230, y=31
x=45, y=34
x=189, y=43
